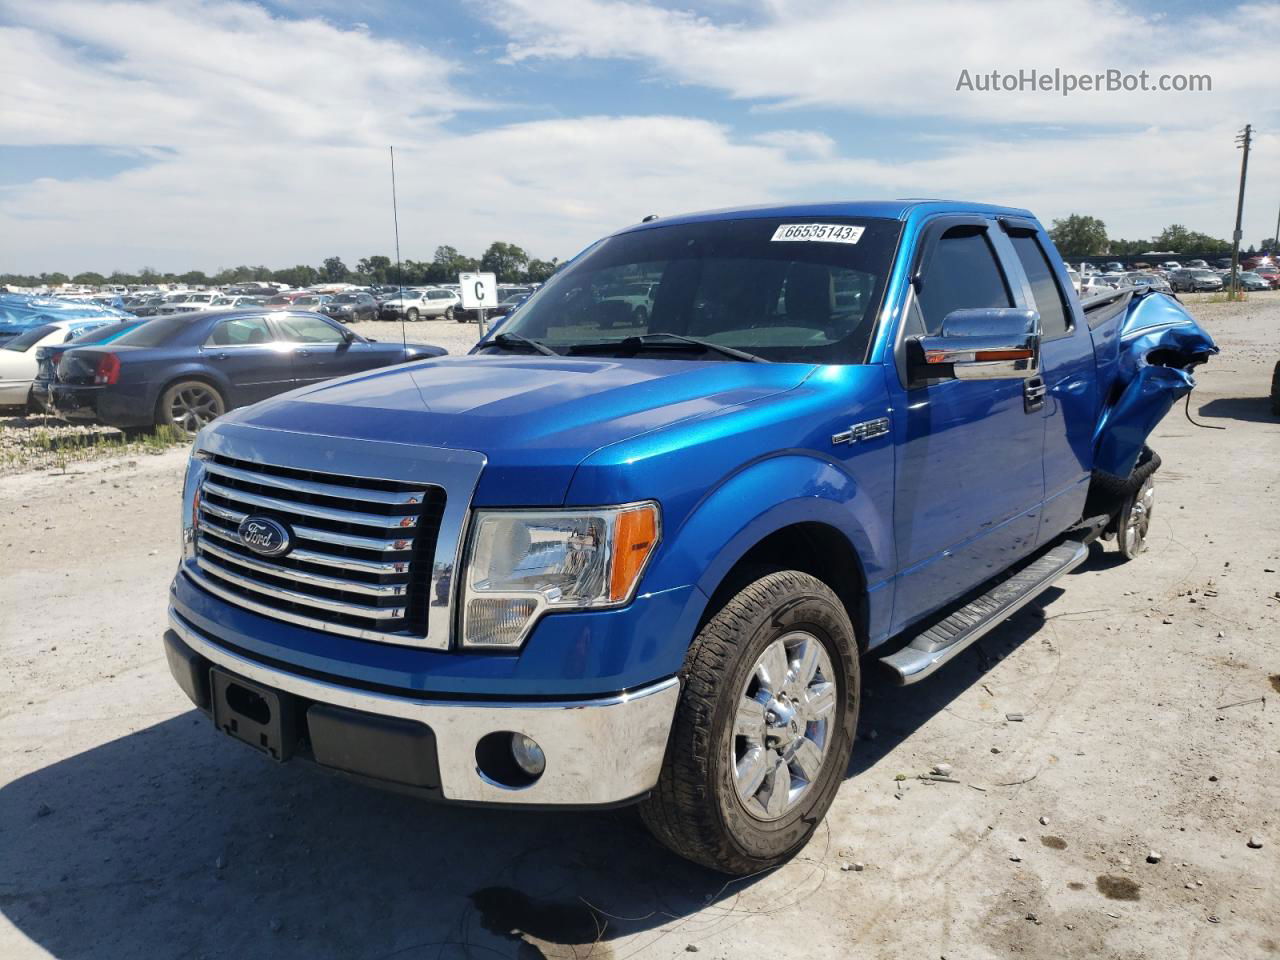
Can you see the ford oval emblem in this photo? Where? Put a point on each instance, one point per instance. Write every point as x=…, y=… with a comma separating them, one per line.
x=264, y=535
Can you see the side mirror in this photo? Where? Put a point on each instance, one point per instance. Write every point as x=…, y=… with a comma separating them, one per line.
x=988, y=343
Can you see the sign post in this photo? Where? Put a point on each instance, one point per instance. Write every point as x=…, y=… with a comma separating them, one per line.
x=479, y=292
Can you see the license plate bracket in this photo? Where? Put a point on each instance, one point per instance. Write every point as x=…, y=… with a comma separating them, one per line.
x=263, y=718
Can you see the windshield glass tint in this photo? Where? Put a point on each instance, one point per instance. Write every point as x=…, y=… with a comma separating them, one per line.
x=727, y=281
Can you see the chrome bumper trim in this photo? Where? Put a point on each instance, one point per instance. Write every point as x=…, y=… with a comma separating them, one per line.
x=598, y=752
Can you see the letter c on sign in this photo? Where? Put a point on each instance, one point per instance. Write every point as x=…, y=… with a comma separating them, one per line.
x=479, y=290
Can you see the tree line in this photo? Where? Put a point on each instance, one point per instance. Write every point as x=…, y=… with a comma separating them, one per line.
x=508, y=262
x=1083, y=236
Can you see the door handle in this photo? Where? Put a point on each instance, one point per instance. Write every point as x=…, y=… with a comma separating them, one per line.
x=1033, y=394
x=219, y=356
x=304, y=353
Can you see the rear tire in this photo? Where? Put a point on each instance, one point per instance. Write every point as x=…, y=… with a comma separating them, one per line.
x=738, y=792
x=1275, y=390
x=189, y=405
x=448, y=313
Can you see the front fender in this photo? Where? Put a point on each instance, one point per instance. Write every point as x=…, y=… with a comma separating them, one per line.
x=767, y=496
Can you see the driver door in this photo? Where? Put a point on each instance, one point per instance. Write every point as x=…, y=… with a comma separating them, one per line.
x=969, y=485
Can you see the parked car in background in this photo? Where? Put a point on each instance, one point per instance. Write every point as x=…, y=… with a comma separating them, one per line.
x=148, y=307
x=1199, y=265
x=188, y=369
x=1148, y=280
x=425, y=304
x=1171, y=265
x=20, y=313
x=350, y=307
x=1113, y=266
x=1095, y=284
x=48, y=356
x=1247, y=281
x=18, y=364
x=228, y=301
x=1189, y=281
x=1270, y=273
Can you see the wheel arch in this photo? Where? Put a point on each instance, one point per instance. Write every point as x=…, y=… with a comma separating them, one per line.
x=829, y=526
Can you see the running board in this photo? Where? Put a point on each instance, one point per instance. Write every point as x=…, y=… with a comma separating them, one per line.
x=939, y=643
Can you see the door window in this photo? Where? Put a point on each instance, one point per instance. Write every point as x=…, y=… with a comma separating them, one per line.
x=239, y=332
x=1054, y=315
x=309, y=330
x=962, y=274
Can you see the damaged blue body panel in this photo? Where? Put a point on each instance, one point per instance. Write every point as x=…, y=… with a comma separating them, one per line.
x=1145, y=355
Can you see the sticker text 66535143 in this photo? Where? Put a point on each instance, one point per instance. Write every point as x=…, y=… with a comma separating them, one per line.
x=820, y=232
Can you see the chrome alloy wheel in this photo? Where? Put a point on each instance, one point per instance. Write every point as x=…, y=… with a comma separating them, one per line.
x=192, y=407
x=1133, y=539
x=783, y=724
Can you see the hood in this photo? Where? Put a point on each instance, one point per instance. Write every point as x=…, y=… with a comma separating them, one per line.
x=535, y=418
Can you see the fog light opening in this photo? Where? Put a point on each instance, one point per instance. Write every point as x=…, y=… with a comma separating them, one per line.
x=512, y=760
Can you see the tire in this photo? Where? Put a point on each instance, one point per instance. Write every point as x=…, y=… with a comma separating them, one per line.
x=412, y=315
x=698, y=808
x=1275, y=390
x=448, y=313
x=199, y=398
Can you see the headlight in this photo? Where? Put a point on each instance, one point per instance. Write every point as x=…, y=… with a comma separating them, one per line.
x=523, y=563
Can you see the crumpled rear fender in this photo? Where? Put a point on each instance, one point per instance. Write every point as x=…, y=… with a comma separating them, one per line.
x=1160, y=344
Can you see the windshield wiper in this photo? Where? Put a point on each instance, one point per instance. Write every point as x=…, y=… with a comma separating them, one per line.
x=705, y=344
x=509, y=339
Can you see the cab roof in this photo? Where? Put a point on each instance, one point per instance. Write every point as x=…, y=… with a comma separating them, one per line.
x=901, y=209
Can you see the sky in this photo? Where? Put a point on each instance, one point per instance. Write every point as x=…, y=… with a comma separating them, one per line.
x=199, y=135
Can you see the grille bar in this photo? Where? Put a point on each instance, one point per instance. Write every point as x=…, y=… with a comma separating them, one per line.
x=318, y=488
x=293, y=596
x=375, y=567
x=305, y=577
x=310, y=533
x=407, y=521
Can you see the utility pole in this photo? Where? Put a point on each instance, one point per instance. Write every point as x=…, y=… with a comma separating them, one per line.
x=1243, y=140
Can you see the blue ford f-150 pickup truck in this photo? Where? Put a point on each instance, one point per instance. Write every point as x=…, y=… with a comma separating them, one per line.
x=620, y=556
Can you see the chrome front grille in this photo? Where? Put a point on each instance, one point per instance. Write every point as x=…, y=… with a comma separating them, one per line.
x=361, y=555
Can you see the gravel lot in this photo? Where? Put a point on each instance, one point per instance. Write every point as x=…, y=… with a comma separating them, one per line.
x=1149, y=691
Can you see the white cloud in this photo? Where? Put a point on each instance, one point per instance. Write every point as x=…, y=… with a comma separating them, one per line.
x=907, y=56
x=265, y=136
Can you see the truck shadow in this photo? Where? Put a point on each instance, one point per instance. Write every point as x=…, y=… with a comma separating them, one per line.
x=1249, y=409
x=176, y=842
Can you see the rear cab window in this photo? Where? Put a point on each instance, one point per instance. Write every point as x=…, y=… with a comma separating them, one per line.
x=1049, y=300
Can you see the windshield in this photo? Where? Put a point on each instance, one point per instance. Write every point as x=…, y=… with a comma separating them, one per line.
x=1203, y=273
x=770, y=287
x=306, y=301
x=346, y=298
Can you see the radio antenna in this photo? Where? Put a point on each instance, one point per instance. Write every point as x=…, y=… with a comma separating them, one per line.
x=395, y=214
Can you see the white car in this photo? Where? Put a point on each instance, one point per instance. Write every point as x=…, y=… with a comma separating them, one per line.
x=18, y=356
x=188, y=303
x=421, y=304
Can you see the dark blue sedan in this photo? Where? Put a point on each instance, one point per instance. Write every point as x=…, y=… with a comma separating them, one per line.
x=188, y=369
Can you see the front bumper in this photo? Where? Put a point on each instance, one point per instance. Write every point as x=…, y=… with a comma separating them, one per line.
x=599, y=752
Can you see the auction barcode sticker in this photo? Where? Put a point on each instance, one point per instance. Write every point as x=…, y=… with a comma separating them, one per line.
x=823, y=232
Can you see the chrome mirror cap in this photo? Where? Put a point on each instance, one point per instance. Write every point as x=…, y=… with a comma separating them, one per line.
x=990, y=343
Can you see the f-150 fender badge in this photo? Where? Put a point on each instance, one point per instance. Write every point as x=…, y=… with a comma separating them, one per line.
x=866, y=430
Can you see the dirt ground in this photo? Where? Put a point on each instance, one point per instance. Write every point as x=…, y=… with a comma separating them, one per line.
x=1149, y=691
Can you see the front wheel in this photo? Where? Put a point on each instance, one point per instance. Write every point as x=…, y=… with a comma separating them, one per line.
x=448, y=313
x=412, y=315
x=1275, y=390
x=189, y=405
x=764, y=728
